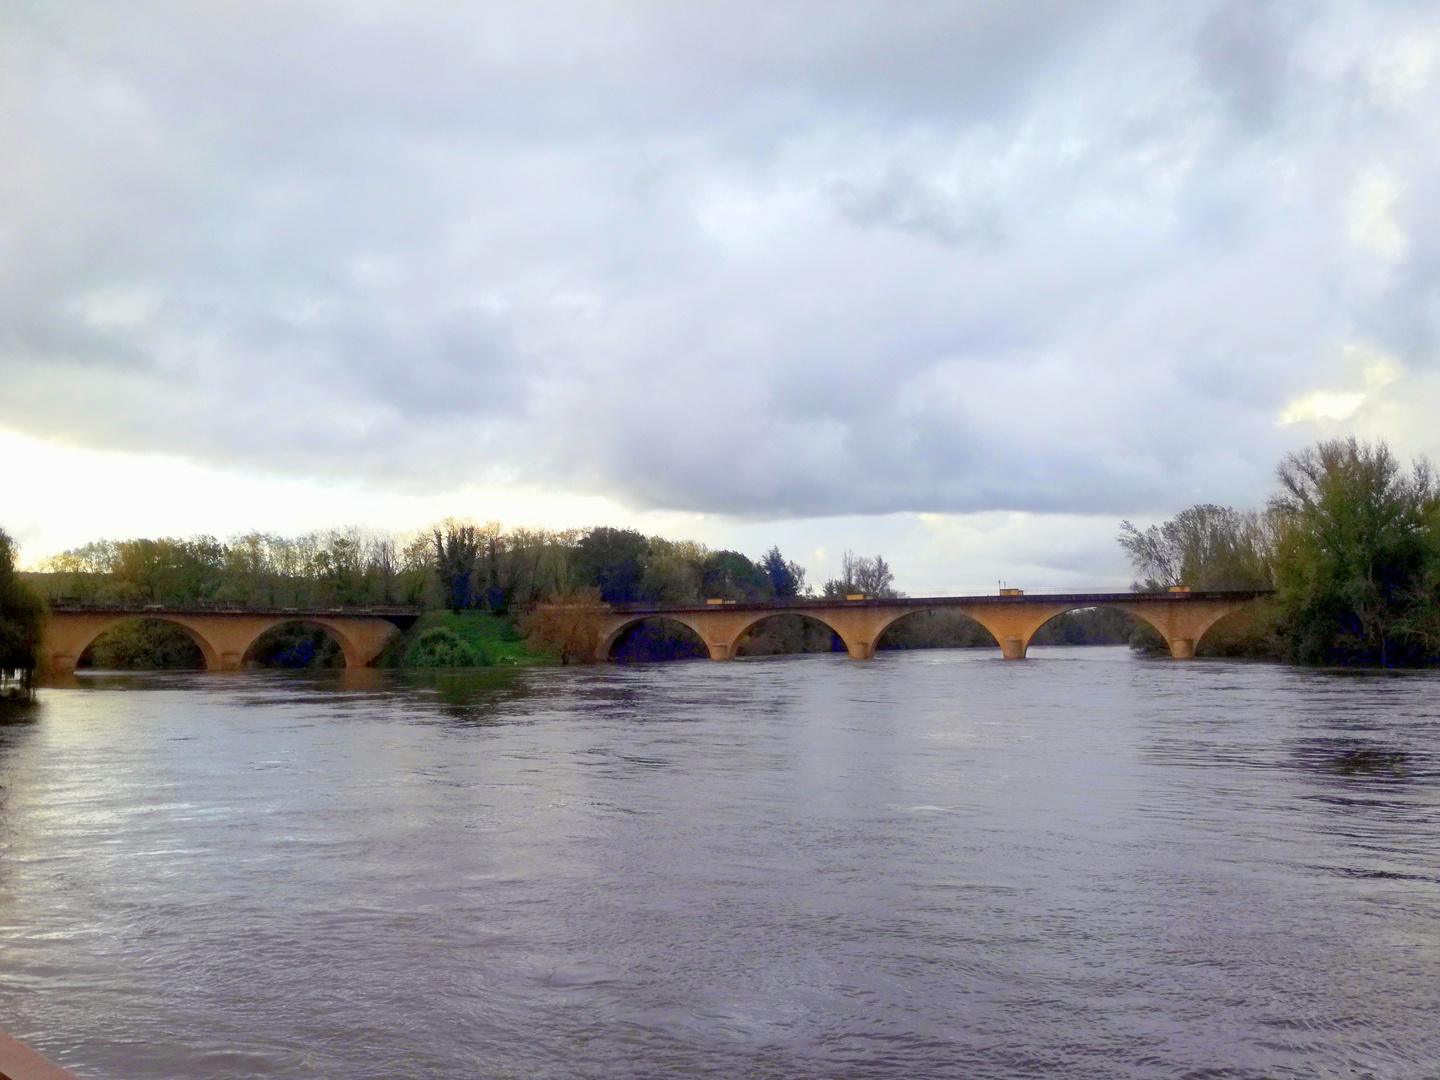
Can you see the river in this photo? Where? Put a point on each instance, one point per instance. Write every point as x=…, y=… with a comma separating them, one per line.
x=934, y=864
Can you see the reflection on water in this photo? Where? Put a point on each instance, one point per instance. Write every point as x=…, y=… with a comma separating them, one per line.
x=928, y=865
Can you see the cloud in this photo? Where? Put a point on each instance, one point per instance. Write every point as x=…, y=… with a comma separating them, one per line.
x=1373, y=223
x=757, y=260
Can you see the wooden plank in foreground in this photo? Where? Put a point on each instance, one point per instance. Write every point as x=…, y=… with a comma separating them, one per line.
x=19, y=1062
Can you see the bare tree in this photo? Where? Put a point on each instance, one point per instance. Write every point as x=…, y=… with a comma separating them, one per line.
x=859, y=574
x=1205, y=547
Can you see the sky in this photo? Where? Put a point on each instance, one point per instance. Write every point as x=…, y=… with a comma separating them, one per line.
x=964, y=284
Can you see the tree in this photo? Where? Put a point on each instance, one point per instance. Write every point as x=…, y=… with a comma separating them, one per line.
x=22, y=617
x=729, y=575
x=1204, y=547
x=568, y=625
x=613, y=561
x=457, y=549
x=673, y=571
x=872, y=577
x=1358, y=554
x=787, y=579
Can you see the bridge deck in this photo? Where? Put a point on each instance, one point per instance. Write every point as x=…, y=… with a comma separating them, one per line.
x=72, y=605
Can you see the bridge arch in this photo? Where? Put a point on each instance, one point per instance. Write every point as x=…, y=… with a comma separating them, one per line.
x=625, y=635
x=89, y=635
x=749, y=629
x=251, y=657
x=987, y=638
x=1181, y=627
x=1112, y=624
x=605, y=650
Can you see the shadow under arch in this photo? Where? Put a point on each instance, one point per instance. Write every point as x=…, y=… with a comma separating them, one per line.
x=786, y=633
x=654, y=639
x=935, y=628
x=146, y=643
x=1095, y=625
x=295, y=644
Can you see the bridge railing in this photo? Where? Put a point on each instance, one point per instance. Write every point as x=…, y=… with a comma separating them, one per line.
x=1074, y=596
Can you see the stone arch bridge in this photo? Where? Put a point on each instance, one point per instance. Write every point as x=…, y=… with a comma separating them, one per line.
x=224, y=634
x=1180, y=617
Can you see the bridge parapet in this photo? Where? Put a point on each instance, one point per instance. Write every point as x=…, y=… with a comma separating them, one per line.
x=71, y=604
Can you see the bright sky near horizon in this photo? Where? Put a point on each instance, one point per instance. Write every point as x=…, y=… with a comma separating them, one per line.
x=961, y=283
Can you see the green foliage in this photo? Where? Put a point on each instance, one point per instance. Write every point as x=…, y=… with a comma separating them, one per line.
x=728, y=575
x=143, y=644
x=673, y=571
x=22, y=615
x=1204, y=547
x=490, y=639
x=441, y=648
x=456, y=564
x=335, y=568
x=457, y=552
x=612, y=560
x=787, y=579
x=1351, y=544
x=1358, y=560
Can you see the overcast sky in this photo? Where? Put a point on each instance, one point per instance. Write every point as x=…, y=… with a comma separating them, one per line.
x=965, y=283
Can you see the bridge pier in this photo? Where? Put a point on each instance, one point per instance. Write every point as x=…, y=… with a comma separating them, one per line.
x=58, y=664
x=859, y=649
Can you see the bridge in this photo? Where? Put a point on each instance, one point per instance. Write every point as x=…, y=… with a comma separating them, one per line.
x=224, y=633
x=1179, y=616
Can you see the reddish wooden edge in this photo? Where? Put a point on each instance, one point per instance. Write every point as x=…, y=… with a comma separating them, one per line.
x=19, y=1062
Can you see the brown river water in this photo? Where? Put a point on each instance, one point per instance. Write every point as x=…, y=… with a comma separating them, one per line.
x=934, y=864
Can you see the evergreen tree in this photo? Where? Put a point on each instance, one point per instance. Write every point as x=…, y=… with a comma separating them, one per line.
x=787, y=579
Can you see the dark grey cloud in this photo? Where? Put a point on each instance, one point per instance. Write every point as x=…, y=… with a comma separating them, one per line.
x=758, y=259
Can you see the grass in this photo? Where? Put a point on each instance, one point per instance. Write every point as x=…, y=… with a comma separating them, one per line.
x=489, y=635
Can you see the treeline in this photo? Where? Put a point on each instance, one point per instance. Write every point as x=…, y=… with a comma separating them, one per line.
x=456, y=564
x=1350, y=542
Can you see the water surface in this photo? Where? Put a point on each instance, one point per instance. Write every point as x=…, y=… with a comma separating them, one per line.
x=930, y=865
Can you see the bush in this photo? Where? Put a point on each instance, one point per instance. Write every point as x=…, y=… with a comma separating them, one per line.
x=442, y=648
x=1358, y=555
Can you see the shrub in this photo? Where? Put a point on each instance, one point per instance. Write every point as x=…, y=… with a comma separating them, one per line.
x=442, y=648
